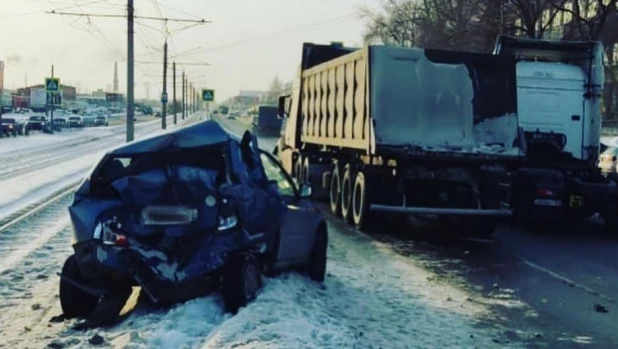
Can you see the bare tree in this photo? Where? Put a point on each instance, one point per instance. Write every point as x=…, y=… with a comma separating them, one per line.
x=444, y=24
x=589, y=18
x=274, y=90
x=531, y=18
x=395, y=24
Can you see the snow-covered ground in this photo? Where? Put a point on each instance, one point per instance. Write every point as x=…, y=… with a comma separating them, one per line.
x=372, y=298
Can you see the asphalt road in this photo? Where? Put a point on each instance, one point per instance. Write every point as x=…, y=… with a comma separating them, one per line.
x=556, y=288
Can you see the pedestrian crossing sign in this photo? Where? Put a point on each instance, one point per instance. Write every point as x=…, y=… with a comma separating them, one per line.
x=52, y=84
x=208, y=95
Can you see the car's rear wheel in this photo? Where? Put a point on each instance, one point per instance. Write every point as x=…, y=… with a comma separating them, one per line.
x=317, y=264
x=241, y=281
x=74, y=301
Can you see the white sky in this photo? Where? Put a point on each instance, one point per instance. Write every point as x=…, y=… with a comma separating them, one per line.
x=247, y=43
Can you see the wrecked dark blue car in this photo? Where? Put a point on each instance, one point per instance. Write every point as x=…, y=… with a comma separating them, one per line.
x=182, y=214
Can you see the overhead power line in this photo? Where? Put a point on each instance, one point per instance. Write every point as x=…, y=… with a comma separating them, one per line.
x=179, y=63
x=54, y=12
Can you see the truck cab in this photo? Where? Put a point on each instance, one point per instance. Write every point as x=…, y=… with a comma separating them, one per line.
x=559, y=90
x=559, y=87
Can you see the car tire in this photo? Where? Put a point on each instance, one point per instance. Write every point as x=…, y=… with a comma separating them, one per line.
x=74, y=301
x=334, y=191
x=347, y=185
x=317, y=264
x=241, y=281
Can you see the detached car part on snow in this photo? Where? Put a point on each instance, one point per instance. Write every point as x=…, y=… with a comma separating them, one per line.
x=181, y=214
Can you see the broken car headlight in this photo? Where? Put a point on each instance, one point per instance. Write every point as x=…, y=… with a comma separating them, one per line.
x=107, y=232
x=226, y=223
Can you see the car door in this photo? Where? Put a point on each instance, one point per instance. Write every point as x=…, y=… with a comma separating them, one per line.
x=301, y=218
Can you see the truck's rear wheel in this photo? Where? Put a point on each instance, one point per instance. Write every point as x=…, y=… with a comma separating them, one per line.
x=335, y=190
x=347, y=185
x=298, y=170
x=361, y=202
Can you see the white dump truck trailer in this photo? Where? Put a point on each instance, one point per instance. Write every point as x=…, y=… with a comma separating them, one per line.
x=386, y=131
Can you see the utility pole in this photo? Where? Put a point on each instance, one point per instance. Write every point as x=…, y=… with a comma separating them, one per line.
x=51, y=98
x=183, y=95
x=164, y=95
x=130, y=74
x=174, y=83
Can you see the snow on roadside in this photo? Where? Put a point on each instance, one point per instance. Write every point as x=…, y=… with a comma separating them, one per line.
x=23, y=190
x=372, y=298
x=42, y=141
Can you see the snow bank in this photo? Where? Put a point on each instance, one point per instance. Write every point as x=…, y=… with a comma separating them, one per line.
x=372, y=298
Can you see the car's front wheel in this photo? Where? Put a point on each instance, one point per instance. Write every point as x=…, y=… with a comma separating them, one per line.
x=317, y=263
x=241, y=281
x=73, y=300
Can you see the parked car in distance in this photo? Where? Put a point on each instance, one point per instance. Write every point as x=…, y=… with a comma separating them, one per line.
x=36, y=123
x=75, y=122
x=9, y=127
x=59, y=123
x=182, y=214
x=101, y=120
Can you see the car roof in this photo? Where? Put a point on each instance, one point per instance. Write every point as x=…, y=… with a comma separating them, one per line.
x=202, y=134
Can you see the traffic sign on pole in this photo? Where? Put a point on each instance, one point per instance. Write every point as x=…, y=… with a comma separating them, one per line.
x=164, y=97
x=52, y=84
x=208, y=95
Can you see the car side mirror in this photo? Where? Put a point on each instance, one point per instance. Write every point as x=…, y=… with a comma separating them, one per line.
x=305, y=191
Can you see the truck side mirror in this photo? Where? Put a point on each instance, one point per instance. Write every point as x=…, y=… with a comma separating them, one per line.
x=281, y=112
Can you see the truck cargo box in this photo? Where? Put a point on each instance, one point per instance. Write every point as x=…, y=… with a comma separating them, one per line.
x=383, y=99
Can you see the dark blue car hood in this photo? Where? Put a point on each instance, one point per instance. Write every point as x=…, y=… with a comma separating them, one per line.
x=199, y=135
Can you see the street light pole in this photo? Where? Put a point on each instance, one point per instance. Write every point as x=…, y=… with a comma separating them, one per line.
x=51, y=99
x=174, y=83
x=164, y=95
x=130, y=74
x=183, y=95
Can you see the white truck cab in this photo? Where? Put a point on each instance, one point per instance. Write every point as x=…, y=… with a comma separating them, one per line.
x=559, y=88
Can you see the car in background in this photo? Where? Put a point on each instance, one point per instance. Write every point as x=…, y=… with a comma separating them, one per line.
x=101, y=120
x=9, y=127
x=59, y=123
x=75, y=121
x=608, y=159
x=183, y=214
x=266, y=122
x=37, y=123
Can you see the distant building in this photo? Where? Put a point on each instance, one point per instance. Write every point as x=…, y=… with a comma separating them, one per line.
x=69, y=93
